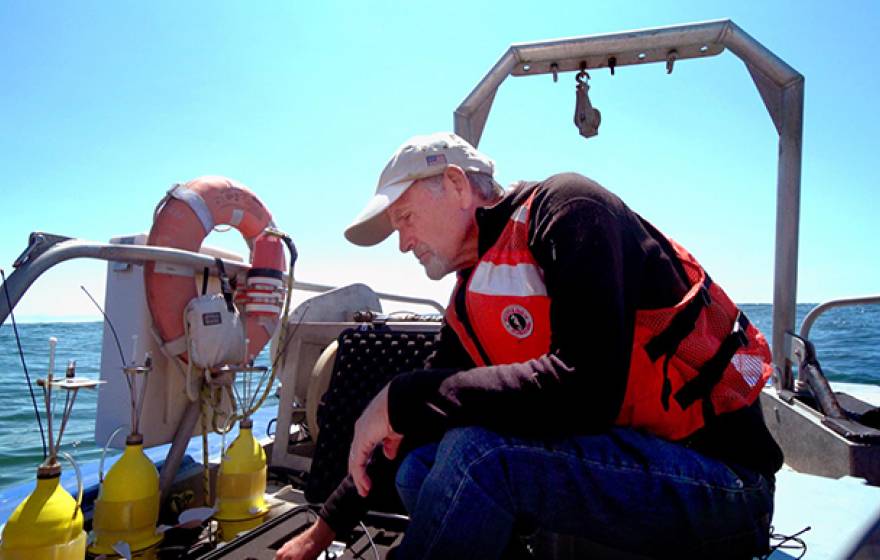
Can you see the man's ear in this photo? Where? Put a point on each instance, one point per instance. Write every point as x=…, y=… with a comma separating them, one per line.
x=459, y=186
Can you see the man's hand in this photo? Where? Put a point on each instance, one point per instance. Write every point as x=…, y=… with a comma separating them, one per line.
x=309, y=544
x=371, y=429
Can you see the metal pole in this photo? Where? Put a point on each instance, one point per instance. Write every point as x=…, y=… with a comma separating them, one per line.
x=788, y=203
x=754, y=53
x=178, y=448
x=470, y=117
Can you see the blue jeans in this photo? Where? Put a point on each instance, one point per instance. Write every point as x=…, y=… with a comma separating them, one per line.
x=469, y=494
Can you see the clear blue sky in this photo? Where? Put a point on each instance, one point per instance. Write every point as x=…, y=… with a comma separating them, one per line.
x=104, y=104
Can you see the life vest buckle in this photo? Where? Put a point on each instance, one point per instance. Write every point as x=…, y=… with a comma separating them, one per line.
x=704, y=294
x=740, y=326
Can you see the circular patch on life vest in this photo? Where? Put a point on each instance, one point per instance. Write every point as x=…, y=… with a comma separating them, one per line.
x=517, y=321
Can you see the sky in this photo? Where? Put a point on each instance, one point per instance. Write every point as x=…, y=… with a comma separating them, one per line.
x=104, y=105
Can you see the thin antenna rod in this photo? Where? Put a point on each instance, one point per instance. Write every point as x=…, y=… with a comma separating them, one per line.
x=23, y=364
x=115, y=337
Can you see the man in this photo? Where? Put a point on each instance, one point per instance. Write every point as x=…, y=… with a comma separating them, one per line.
x=590, y=380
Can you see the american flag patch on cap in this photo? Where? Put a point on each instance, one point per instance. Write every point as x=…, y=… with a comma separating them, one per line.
x=436, y=159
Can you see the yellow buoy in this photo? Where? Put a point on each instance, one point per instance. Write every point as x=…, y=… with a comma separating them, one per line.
x=241, y=485
x=47, y=525
x=127, y=507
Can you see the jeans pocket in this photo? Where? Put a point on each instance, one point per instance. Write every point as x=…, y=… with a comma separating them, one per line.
x=750, y=479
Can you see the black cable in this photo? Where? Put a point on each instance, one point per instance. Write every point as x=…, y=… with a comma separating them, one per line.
x=115, y=337
x=291, y=248
x=23, y=364
x=799, y=544
x=294, y=255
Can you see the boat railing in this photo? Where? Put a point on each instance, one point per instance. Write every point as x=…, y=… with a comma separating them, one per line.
x=850, y=418
x=46, y=250
x=810, y=378
x=817, y=311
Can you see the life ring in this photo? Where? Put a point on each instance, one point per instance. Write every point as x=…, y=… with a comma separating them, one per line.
x=182, y=220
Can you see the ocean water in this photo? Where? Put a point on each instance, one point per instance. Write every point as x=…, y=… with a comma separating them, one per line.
x=847, y=341
x=21, y=448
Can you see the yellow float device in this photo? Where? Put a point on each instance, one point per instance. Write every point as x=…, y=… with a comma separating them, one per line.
x=127, y=507
x=241, y=484
x=47, y=525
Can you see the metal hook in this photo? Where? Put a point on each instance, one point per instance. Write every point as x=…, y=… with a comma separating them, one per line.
x=671, y=57
x=579, y=78
x=555, y=69
x=612, y=62
x=586, y=118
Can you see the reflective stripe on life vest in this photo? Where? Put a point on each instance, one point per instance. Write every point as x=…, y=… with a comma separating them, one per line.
x=520, y=280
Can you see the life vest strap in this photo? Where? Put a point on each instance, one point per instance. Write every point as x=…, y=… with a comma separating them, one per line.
x=459, y=318
x=666, y=342
x=711, y=372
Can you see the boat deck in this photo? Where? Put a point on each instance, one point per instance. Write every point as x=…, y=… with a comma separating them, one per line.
x=839, y=514
x=289, y=515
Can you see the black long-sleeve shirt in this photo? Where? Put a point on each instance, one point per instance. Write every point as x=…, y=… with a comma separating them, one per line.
x=601, y=262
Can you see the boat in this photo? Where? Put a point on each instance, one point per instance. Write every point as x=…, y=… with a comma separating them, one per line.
x=828, y=494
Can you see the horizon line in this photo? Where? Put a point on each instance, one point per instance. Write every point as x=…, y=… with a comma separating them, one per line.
x=80, y=318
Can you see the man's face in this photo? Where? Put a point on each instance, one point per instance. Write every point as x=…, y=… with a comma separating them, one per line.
x=429, y=222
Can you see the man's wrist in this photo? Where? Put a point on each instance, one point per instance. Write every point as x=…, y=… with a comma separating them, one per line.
x=320, y=534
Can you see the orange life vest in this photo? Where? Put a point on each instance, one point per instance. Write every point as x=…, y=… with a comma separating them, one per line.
x=698, y=358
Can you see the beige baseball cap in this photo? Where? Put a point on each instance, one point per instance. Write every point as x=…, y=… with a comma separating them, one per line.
x=418, y=158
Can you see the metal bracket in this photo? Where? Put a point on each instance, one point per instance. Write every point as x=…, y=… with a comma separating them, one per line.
x=811, y=379
x=799, y=350
x=38, y=243
x=671, y=57
x=529, y=64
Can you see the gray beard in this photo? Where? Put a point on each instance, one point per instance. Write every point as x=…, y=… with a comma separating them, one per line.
x=436, y=267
